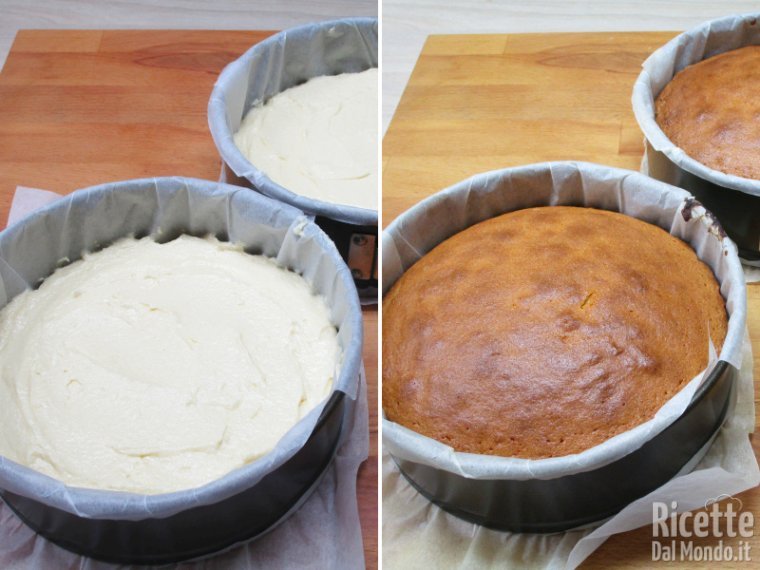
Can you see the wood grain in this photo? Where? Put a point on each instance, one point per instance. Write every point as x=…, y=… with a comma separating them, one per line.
x=482, y=102
x=406, y=24
x=79, y=108
x=177, y=14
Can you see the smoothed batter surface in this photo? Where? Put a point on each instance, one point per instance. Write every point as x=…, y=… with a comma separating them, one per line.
x=151, y=367
x=319, y=139
x=546, y=331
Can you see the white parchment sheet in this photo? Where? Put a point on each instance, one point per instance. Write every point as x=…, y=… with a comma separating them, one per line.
x=324, y=533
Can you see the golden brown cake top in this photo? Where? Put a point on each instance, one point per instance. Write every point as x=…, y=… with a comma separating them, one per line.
x=712, y=111
x=545, y=331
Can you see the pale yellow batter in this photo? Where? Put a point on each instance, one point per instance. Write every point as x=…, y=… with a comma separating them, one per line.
x=319, y=139
x=153, y=368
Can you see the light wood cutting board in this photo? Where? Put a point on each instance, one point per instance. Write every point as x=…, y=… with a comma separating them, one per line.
x=79, y=108
x=482, y=102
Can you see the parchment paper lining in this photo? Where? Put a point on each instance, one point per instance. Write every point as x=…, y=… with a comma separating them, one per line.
x=278, y=63
x=165, y=207
x=483, y=196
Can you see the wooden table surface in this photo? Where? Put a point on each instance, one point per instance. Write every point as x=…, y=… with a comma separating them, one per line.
x=79, y=108
x=482, y=102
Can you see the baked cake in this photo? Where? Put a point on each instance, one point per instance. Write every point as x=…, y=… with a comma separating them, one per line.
x=712, y=111
x=546, y=331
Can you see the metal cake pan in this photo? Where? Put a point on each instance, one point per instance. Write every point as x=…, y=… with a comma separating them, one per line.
x=554, y=494
x=131, y=528
x=733, y=199
x=285, y=60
